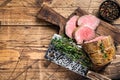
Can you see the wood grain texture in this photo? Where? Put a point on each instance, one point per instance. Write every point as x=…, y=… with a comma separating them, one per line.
x=22, y=32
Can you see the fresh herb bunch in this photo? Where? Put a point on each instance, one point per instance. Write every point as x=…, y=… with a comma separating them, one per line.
x=69, y=48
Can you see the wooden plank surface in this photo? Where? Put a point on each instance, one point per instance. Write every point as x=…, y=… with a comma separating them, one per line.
x=21, y=32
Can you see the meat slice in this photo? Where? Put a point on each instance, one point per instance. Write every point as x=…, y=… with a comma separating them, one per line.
x=96, y=39
x=101, y=50
x=89, y=20
x=83, y=33
x=71, y=25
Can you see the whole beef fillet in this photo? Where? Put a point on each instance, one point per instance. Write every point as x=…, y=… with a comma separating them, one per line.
x=101, y=50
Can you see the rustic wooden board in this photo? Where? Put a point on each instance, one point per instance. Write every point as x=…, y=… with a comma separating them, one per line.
x=21, y=32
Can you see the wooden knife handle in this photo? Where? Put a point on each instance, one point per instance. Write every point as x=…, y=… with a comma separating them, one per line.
x=96, y=76
x=48, y=14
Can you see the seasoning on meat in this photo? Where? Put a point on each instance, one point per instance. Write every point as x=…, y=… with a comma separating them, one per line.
x=101, y=50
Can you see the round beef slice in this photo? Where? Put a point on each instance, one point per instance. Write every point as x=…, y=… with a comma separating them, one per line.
x=83, y=33
x=89, y=20
x=71, y=26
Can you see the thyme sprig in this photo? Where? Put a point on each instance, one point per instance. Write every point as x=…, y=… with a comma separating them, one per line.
x=70, y=49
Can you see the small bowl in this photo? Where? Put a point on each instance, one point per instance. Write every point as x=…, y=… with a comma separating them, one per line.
x=109, y=11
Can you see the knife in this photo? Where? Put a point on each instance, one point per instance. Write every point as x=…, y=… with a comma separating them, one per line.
x=61, y=58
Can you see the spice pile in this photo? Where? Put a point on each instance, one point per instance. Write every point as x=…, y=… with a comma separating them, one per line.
x=109, y=10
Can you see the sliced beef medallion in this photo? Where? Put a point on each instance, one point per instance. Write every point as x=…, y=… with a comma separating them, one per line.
x=101, y=50
x=89, y=20
x=71, y=25
x=83, y=33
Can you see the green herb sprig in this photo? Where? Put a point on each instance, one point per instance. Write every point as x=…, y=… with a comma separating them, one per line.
x=69, y=48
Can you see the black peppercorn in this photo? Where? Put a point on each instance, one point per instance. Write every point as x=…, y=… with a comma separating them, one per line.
x=109, y=10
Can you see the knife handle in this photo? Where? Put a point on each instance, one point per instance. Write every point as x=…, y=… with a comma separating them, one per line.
x=48, y=14
x=96, y=76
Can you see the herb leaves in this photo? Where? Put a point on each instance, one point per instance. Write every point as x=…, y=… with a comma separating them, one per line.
x=73, y=51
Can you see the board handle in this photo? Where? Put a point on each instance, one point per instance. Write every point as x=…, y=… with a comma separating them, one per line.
x=96, y=76
x=48, y=14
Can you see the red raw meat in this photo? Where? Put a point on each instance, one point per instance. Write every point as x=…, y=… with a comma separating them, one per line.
x=83, y=33
x=89, y=20
x=71, y=26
